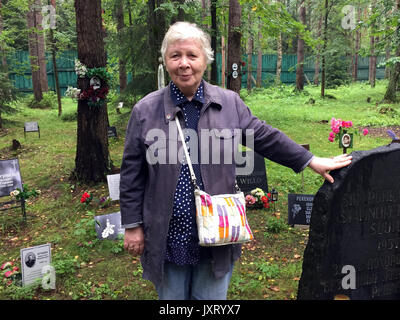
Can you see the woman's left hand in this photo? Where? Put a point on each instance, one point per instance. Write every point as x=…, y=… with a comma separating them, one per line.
x=323, y=165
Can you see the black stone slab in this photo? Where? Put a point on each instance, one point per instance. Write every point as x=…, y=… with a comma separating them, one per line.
x=356, y=222
x=10, y=176
x=106, y=222
x=112, y=132
x=258, y=178
x=299, y=208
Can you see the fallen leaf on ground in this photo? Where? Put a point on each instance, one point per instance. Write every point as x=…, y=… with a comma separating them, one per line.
x=275, y=288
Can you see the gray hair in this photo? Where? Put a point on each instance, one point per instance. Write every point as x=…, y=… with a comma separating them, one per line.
x=184, y=30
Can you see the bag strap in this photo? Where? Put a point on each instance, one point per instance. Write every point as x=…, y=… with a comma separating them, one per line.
x=189, y=162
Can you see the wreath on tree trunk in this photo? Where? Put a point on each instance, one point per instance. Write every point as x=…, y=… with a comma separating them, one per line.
x=98, y=78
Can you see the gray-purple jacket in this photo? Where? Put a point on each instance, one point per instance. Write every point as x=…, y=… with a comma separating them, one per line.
x=151, y=165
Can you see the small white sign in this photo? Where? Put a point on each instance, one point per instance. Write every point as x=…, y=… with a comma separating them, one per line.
x=234, y=66
x=113, y=186
x=33, y=260
x=234, y=74
x=31, y=126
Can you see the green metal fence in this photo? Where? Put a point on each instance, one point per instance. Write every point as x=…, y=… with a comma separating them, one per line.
x=20, y=70
x=288, y=73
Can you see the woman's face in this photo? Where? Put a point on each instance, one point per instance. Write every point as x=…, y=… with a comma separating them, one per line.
x=186, y=62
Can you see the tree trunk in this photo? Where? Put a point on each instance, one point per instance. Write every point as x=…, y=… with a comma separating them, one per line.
x=156, y=23
x=213, y=10
x=55, y=69
x=279, y=59
x=181, y=13
x=92, y=162
x=36, y=49
x=249, y=60
x=121, y=63
x=372, y=58
x=390, y=95
x=372, y=63
x=387, y=57
x=325, y=40
x=41, y=48
x=357, y=48
x=317, y=56
x=3, y=61
x=259, y=61
x=300, y=51
x=234, y=53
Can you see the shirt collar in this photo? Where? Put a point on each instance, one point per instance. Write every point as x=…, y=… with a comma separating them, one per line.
x=178, y=97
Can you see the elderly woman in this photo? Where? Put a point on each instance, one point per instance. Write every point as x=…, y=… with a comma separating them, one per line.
x=156, y=194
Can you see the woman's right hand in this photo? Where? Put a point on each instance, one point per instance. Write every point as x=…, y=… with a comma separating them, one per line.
x=134, y=241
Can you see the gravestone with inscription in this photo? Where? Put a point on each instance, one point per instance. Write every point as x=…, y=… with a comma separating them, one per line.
x=31, y=126
x=354, y=239
x=10, y=180
x=258, y=178
x=300, y=208
x=10, y=176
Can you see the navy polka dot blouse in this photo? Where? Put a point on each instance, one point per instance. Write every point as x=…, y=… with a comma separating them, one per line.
x=182, y=240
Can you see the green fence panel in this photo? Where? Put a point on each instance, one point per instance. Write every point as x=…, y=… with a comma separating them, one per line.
x=288, y=71
x=20, y=71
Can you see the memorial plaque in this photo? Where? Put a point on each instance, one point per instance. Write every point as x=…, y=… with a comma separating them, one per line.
x=10, y=176
x=354, y=240
x=31, y=126
x=258, y=178
x=113, y=186
x=112, y=132
x=33, y=260
x=108, y=226
x=299, y=208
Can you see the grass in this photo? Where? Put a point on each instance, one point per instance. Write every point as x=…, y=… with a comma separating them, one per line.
x=87, y=268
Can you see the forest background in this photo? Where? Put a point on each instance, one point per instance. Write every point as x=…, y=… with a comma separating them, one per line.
x=124, y=36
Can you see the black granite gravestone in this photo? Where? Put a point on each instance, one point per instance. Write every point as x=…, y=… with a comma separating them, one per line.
x=258, y=178
x=10, y=180
x=354, y=240
x=108, y=226
x=299, y=208
x=112, y=132
x=10, y=176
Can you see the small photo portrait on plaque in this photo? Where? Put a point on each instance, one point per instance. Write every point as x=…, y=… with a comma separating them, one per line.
x=30, y=259
x=346, y=140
